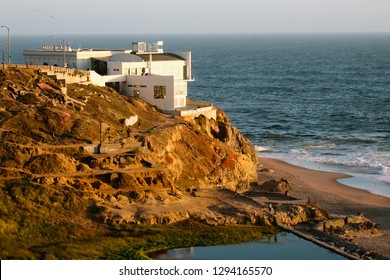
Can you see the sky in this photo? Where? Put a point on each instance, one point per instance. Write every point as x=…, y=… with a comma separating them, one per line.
x=194, y=16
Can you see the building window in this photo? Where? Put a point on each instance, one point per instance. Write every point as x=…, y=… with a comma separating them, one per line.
x=160, y=92
x=143, y=86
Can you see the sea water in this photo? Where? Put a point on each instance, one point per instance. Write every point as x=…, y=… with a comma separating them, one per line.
x=317, y=100
x=283, y=246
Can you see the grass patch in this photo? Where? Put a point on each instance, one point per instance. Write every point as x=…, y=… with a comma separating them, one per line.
x=41, y=222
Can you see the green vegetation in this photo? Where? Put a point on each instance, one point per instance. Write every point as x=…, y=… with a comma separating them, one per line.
x=5, y=115
x=78, y=73
x=182, y=235
x=54, y=222
x=28, y=99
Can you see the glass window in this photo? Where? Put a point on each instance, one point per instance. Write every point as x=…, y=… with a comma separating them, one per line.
x=160, y=92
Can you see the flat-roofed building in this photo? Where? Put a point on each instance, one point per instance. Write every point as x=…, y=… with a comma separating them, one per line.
x=65, y=56
x=145, y=71
x=153, y=75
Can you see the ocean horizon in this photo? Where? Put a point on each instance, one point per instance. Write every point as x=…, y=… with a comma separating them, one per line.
x=320, y=101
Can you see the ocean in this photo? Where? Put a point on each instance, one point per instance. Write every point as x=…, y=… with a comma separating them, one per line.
x=320, y=101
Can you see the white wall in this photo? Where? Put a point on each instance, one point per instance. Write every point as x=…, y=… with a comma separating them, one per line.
x=209, y=112
x=75, y=59
x=84, y=57
x=145, y=86
x=187, y=56
x=99, y=80
x=50, y=57
x=114, y=68
x=180, y=93
x=164, y=68
x=169, y=68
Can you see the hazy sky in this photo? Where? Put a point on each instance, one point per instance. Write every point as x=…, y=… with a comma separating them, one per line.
x=194, y=16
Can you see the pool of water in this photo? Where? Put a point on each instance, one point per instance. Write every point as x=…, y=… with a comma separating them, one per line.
x=282, y=246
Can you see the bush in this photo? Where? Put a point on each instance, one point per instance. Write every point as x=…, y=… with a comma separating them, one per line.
x=28, y=99
x=5, y=115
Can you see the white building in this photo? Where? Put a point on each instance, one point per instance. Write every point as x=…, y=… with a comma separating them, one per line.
x=145, y=71
x=59, y=55
x=157, y=77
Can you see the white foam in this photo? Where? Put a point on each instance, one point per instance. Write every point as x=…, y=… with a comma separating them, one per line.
x=374, y=164
x=359, y=159
x=320, y=146
x=260, y=149
x=385, y=174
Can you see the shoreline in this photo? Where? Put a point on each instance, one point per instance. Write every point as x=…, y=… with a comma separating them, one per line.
x=323, y=188
x=354, y=177
x=326, y=182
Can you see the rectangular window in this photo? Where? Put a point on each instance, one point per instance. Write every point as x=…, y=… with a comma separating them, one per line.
x=143, y=86
x=130, y=85
x=160, y=92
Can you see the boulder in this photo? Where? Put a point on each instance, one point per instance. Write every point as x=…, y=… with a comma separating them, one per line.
x=277, y=186
x=51, y=164
x=130, y=121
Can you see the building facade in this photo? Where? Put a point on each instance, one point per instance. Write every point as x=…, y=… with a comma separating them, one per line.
x=66, y=56
x=153, y=75
x=145, y=71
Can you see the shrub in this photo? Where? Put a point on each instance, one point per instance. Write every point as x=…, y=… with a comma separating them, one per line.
x=5, y=115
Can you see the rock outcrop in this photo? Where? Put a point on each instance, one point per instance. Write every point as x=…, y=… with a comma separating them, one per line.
x=273, y=185
x=350, y=227
x=51, y=142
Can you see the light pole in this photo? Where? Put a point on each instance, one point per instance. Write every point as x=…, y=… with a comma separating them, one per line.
x=9, y=51
x=63, y=49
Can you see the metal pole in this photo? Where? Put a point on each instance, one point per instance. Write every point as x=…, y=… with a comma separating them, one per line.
x=9, y=47
x=63, y=49
x=63, y=45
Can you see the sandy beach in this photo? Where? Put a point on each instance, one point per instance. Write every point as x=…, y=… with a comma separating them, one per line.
x=321, y=187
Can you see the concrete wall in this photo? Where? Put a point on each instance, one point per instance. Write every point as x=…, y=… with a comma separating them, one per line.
x=163, y=68
x=50, y=58
x=187, y=56
x=99, y=80
x=145, y=86
x=208, y=112
x=84, y=56
x=180, y=93
x=80, y=59
x=176, y=91
x=169, y=68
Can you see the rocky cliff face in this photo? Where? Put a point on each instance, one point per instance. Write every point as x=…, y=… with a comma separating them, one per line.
x=48, y=138
x=193, y=153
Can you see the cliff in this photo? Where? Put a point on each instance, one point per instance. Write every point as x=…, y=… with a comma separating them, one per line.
x=51, y=175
